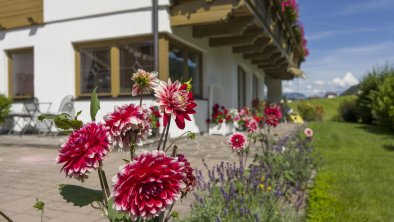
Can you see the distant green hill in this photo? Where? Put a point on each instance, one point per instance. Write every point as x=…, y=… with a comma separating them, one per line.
x=330, y=105
x=351, y=91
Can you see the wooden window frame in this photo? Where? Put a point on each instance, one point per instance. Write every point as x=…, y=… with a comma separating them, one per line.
x=166, y=42
x=10, y=71
x=114, y=45
x=164, y=45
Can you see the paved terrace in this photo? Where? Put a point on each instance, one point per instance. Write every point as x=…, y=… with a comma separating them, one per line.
x=28, y=170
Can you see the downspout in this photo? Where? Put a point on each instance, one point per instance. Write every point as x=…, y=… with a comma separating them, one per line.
x=155, y=31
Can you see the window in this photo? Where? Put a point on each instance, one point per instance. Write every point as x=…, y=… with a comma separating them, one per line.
x=185, y=63
x=111, y=64
x=21, y=73
x=241, y=88
x=133, y=57
x=255, y=87
x=95, y=70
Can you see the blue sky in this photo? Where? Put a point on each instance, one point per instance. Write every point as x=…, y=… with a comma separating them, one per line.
x=346, y=38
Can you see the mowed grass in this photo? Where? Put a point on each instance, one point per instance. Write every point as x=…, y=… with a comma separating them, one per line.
x=355, y=176
x=330, y=105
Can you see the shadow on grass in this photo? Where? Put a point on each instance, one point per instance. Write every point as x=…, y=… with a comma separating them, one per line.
x=389, y=147
x=377, y=130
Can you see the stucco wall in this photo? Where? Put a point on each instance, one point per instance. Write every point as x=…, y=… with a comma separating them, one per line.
x=55, y=10
x=54, y=54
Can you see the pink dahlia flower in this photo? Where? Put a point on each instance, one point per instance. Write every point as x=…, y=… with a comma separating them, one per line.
x=143, y=82
x=273, y=115
x=252, y=126
x=126, y=120
x=308, y=132
x=238, y=141
x=148, y=185
x=174, y=100
x=84, y=151
x=190, y=179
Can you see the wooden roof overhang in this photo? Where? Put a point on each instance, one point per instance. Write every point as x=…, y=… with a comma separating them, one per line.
x=254, y=28
x=20, y=13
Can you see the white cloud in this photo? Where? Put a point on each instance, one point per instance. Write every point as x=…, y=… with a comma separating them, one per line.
x=346, y=81
x=319, y=83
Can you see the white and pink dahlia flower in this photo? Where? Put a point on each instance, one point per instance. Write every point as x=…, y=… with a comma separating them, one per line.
x=308, y=132
x=148, y=185
x=252, y=125
x=125, y=121
x=84, y=151
x=190, y=179
x=143, y=82
x=174, y=100
x=238, y=142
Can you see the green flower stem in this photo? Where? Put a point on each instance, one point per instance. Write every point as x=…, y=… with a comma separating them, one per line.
x=161, y=137
x=169, y=146
x=168, y=216
x=141, y=98
x=105, y=183
x=6, y=217
x=105, y=197
x=42, y=215
x=133, y=140
x=174, y=151
x=166, y=136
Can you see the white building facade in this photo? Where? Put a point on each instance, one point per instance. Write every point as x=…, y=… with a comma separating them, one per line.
x=73, y=46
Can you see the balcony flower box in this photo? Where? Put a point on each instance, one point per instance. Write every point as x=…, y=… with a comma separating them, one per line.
x=223, y=128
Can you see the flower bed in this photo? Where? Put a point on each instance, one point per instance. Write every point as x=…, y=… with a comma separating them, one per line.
x=271, y=188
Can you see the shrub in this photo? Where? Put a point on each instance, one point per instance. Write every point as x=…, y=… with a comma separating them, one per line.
x=369, y=86
x=310, y=112
x=383, y=103
x=5, y=105
x=348, y=110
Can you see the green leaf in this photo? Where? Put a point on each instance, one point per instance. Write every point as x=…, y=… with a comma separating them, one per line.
x=39, y=205
x=63, y=121
x=80, y=196
x=78, y=113
x=42, y=117
x=67, y=124
x=94, y=104
x=116, y=216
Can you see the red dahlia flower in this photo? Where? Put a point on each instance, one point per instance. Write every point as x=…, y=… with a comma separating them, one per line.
x=273, y=115
x=84, y=150
x=125, y=120
x=148, y=185
x=252, y=126
x=238, y=142
x=190, y=179
x=143, y=82
x=174, y=100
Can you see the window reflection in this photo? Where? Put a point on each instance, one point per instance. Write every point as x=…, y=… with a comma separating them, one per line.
x=185, y=63
x=23, y=74
x=95, y=70
x=133, y=57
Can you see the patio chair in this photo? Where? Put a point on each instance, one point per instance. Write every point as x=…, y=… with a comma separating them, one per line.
x=66, y=106
x=26, y=118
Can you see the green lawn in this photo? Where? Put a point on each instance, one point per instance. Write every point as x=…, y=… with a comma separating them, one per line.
x=330, y=105
x=355, y=176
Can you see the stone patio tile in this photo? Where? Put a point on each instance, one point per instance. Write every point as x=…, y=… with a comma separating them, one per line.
x=28, y=172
